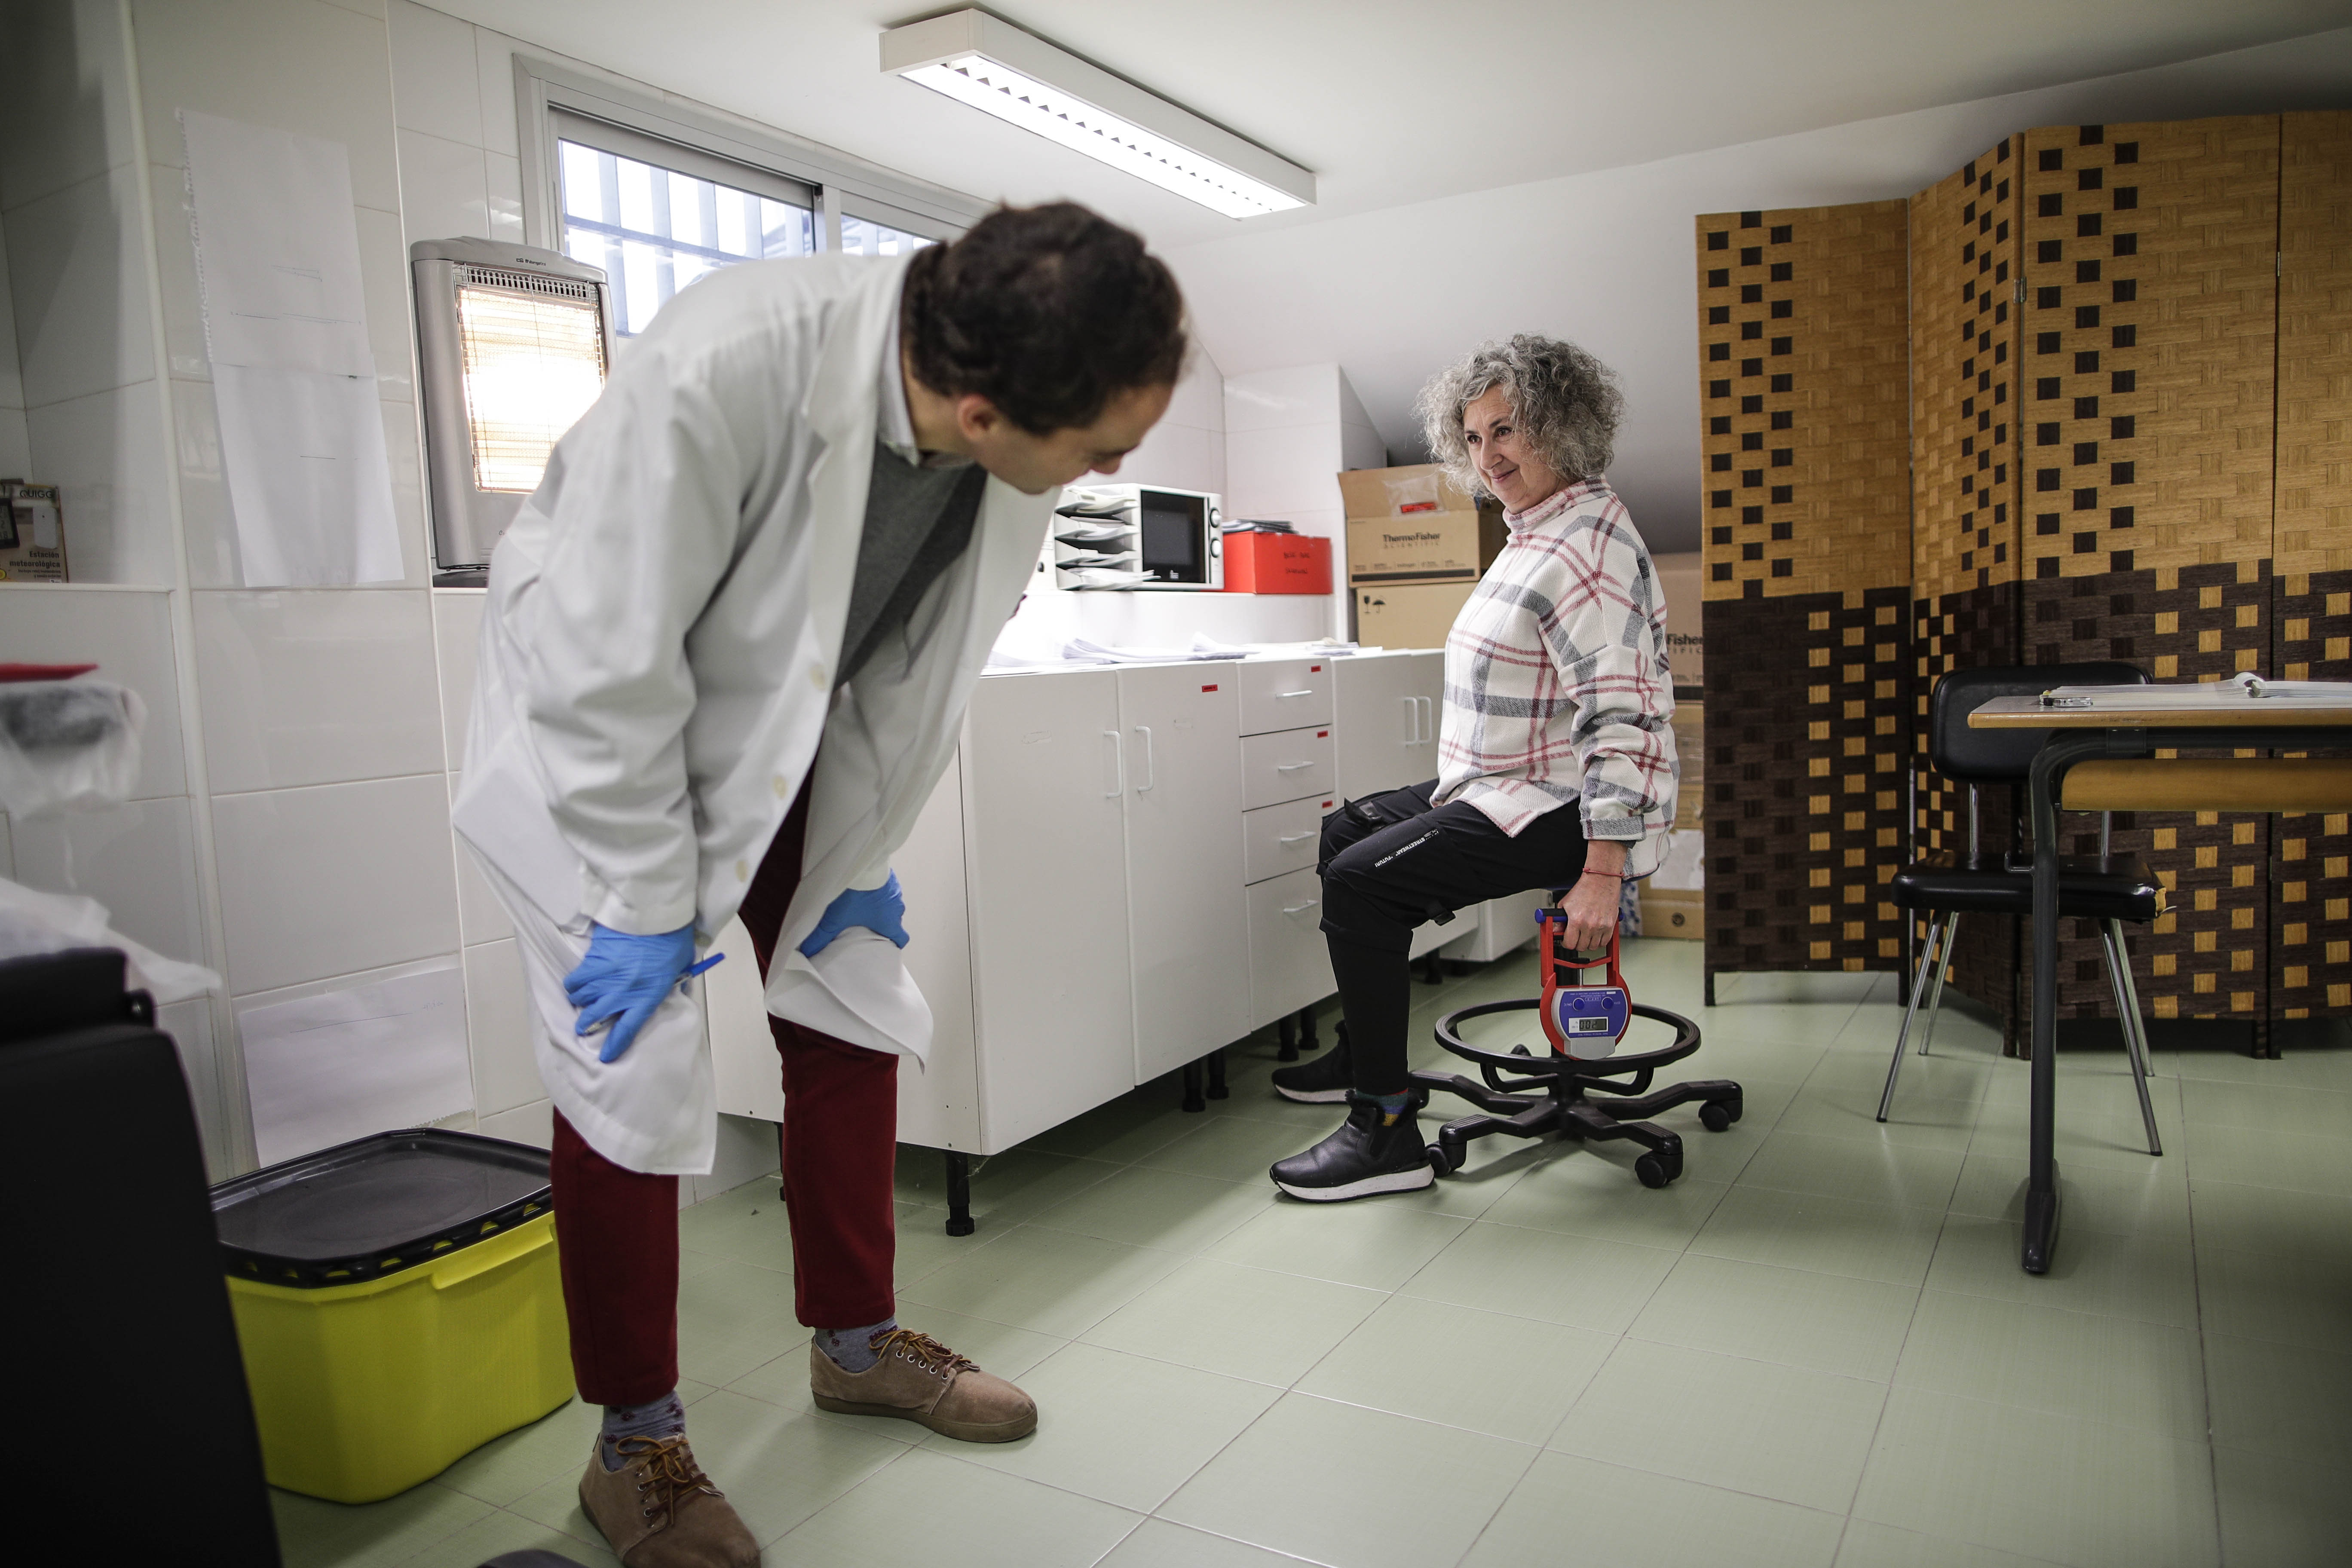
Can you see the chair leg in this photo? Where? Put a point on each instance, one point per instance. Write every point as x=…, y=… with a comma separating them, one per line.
x=1936, y=991
x=2131, y=997
x=1927, y=961
x=2128, y=1014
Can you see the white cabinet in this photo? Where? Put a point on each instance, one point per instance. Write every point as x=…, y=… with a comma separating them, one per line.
x=1285, y=838
x=1186, y=939
x=1386, y=715
x=1285, y=693
x=1046, y=858
x=1290, y=967
x=1289, y=764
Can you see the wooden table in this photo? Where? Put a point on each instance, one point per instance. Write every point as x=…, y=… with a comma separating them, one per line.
x=2126, y=729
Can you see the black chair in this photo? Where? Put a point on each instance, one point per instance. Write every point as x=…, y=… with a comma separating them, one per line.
x=2108, y=889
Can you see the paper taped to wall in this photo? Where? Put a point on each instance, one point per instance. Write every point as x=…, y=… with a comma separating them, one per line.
x=325, y=1069
x=302, y=443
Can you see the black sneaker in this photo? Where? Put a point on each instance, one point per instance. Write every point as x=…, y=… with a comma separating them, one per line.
x=1325, y=1080
x=1370, y=1154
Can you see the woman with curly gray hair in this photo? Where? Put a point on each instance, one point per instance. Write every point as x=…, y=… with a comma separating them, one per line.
x=1556, y=694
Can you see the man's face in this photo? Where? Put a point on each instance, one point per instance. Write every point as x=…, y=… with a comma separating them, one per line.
x=1035, y=464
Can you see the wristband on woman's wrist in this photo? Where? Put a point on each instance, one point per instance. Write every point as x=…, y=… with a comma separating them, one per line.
x=1613, y=875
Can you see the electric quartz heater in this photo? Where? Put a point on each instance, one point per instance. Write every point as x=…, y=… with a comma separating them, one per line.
x=513, y=344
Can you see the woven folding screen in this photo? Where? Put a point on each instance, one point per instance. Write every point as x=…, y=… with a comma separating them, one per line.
x=1802, y=372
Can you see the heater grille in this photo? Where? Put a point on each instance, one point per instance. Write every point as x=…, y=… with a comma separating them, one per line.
x=534, y=359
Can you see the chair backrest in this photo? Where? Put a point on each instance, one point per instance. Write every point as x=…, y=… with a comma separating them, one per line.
x=2004, y=756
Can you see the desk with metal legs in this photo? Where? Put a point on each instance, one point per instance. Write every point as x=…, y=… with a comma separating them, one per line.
x=2120, y=737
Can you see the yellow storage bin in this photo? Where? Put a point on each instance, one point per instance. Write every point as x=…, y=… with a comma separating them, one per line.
x=433, y=1347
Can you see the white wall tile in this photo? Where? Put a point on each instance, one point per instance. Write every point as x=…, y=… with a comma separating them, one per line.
x=129, y=637
x=400, y=436
x=190, y=1025
x=66, y=113
x=456, y=634
x=292, y=65
x=1360, y=448
x=533, y=1124
x=1275, y=473
x=309, y=686
x=1279, y=399
x=139, y=859
x=333, y=879
x=442, y=189
x=78, y=278
x=494, y=68
x=505, y=184
x=498, y=1029
x=207, y=526
x=1200, y=397
x=15, y=446
x=434, y=82
x=175, y=270
x=1174, y=455
x=107, y=451
x=383, y=284
x=7, y=850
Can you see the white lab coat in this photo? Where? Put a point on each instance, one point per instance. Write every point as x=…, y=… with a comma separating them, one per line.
x=656, y=671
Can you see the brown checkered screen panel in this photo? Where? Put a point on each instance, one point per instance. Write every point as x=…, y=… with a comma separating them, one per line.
x=2150, y=336
x=1803, y=371
x=1964, y=537
x=2311, y=601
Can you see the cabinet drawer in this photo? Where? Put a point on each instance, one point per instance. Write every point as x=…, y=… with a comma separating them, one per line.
x=1290, y=964
x=1279, y=838
x=1284, y=693
x=1289, y=765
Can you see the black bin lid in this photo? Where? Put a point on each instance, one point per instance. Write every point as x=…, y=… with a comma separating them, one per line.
x=376, y=1205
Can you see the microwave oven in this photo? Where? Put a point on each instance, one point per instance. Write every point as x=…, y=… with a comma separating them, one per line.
x=1137, y=537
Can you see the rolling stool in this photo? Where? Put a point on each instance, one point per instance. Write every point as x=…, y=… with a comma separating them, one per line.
x=1562, y=1083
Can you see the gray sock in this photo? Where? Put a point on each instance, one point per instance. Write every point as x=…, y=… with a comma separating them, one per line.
x=852, y=1349
x=665, y=1418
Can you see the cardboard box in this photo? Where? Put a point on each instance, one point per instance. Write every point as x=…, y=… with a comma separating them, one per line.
x=1401, y=492
x=1409, y=614
x=1434, y=546
x=1683, y=580
x=1676, y=913
x=32, y=533
x=1277, y=564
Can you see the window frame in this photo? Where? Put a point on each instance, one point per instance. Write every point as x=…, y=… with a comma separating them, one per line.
x=553, y=100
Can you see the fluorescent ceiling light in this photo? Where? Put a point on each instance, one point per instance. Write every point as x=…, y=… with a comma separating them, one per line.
x=1023, y=81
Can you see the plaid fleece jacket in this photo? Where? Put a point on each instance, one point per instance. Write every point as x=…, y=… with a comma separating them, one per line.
x=1557, y=688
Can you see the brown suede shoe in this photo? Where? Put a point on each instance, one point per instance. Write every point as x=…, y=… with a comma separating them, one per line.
x=920, y=1380
x=659, y=1510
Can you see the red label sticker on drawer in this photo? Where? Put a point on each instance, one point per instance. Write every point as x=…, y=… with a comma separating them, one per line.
x=1208, y=688
x=1322, y=734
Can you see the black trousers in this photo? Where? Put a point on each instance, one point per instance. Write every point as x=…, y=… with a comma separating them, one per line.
x=1390, y=862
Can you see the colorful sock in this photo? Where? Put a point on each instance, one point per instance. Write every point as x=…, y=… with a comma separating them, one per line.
x=852, y=1349
x=665, y=1418
x=1393, y=1106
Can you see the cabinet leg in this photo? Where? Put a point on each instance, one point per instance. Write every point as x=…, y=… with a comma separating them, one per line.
x=1710, y=987
x=959, y=1193
x=1192, y=1100
x=1216, y=1060
x=1307, y=1044
x=1285, y=1030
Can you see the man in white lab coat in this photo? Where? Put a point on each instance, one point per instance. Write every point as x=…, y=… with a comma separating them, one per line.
x=727, y=648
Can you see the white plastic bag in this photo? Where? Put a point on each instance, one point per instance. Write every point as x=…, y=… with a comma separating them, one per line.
x=34, y=922
x=68, y=744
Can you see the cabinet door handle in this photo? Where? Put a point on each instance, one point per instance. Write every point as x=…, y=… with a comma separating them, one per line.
x=1428, y=706
x=1412, y=719
x=1295, y=909
x=1285, y=696
x=1291, y=767
x=1294, y=838
x=1150, y=761
x=1118, y=765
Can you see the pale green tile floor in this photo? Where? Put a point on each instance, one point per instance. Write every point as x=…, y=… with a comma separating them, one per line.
x=1815, y=1348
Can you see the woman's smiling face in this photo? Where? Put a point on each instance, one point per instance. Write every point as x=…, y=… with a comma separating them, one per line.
x=1510, y=467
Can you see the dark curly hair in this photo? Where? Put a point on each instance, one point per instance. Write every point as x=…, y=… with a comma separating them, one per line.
x=1566, y=401
x=1048, y=313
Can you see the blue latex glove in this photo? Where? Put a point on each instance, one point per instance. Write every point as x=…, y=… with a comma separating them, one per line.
x=624, y=979
x=882, y=911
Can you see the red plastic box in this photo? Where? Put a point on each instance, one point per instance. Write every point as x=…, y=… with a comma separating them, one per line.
x=1278, y=563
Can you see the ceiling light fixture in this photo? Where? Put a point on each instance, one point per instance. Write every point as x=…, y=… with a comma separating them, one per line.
x=993, y=66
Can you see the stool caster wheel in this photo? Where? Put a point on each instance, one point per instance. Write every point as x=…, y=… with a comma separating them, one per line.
x=1718, y=1115
x=1444, y=1163
x=1657, y=1170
